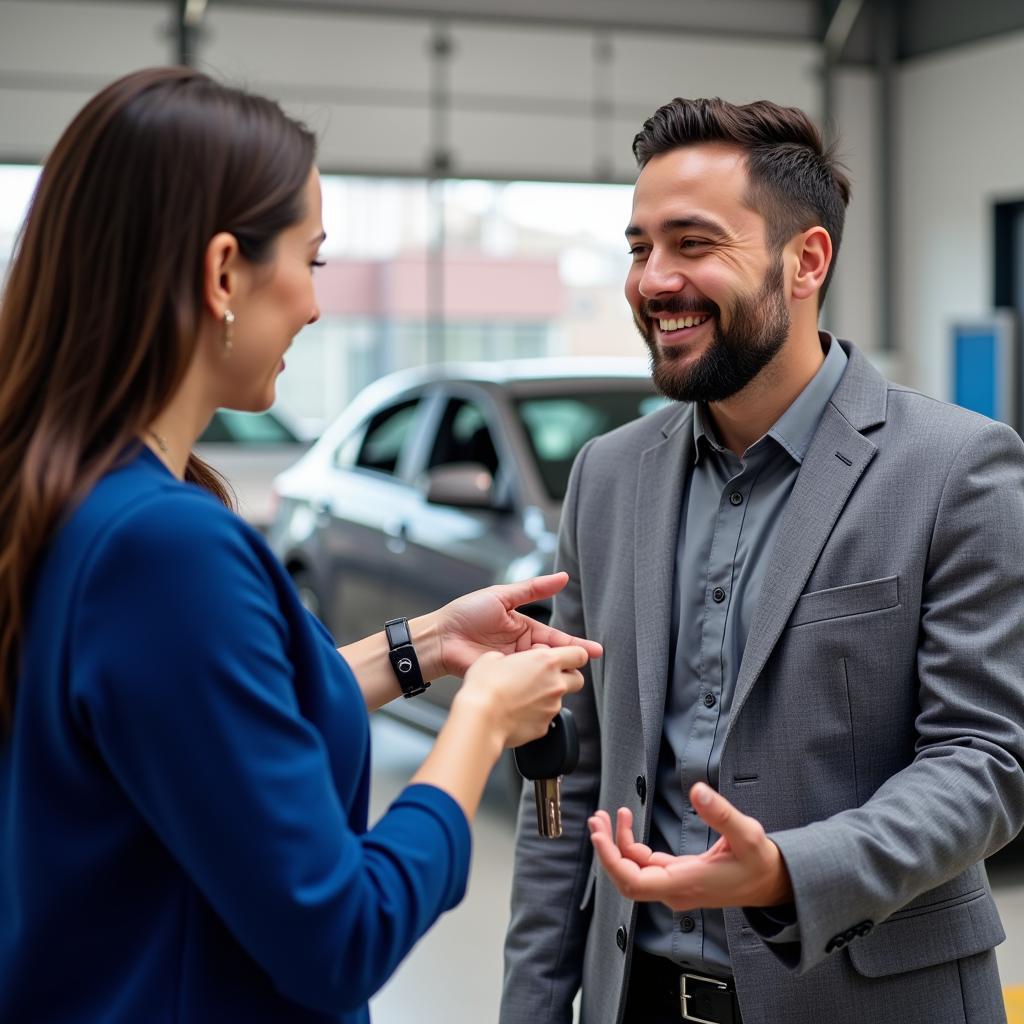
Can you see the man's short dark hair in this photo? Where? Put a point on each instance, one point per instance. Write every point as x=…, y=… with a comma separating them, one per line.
x=795, y=182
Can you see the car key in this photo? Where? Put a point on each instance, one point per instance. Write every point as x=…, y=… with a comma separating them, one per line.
x=544, y=761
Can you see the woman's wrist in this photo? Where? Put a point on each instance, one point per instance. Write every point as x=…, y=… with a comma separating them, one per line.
x=425, y=631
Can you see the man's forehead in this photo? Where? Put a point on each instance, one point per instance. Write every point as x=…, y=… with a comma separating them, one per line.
x=710, y=177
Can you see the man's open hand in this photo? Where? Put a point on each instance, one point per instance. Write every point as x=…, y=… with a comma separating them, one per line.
x=744, y=868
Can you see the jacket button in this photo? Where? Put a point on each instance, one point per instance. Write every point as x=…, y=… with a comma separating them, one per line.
x=620, y=938
x=736, y=498
x=641, y=788
x=709, y=699
x=718, y=594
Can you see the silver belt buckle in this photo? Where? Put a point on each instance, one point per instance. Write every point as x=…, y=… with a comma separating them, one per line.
x=685, y=996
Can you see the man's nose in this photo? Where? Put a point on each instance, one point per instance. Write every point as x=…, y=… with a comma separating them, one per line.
x=660, y=277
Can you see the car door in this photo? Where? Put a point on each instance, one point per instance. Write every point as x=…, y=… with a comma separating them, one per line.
x=451, y=550
x=362, y=513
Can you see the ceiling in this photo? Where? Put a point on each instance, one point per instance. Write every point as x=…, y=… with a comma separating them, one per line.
x=904, y=29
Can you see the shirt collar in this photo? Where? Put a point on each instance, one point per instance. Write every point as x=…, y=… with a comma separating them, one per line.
x=796, y=426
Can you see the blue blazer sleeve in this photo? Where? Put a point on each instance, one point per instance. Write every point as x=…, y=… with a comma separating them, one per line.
x=183, y=677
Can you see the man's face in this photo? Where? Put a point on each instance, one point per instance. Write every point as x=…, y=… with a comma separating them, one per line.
x=707, y=293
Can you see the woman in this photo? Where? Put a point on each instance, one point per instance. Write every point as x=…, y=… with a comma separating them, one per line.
x=183, y=755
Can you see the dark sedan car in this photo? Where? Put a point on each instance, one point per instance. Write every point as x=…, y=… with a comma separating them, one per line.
x=440, y=481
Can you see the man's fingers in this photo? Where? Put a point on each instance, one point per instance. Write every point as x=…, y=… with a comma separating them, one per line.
x=741, y=831
x=624, y=837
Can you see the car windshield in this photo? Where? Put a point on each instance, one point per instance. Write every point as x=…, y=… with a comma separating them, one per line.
x=250, y=428
x=558, y=426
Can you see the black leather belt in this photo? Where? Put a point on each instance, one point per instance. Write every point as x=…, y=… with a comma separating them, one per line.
x=659, y=985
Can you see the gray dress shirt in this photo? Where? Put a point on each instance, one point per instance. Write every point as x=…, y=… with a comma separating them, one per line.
x=731, y=512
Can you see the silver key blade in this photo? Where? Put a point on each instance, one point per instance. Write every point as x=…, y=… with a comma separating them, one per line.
x=547, y=793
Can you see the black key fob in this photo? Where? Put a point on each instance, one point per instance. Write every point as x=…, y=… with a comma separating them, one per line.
x=555, y=753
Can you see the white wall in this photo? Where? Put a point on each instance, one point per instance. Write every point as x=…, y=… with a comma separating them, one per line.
x=852, y=309
x=960, y=148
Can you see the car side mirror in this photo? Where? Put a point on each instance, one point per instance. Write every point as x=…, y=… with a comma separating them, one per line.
x=462, y=484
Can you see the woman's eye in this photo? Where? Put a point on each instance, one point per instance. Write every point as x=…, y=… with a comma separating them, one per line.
x=318, y=263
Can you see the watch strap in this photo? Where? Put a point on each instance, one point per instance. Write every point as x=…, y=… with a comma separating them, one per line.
x=402, y=656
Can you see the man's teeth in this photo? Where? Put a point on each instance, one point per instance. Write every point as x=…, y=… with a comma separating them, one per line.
x=686, y=321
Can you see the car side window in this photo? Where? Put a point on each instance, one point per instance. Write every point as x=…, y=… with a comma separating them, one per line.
x=386, y=435
x=464, y=436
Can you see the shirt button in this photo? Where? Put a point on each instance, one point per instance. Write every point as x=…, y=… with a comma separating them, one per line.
x=709, y=700
x=641, y=788
x=718, y=594
x=620, y=938
x=687, y=924
x=736, y=498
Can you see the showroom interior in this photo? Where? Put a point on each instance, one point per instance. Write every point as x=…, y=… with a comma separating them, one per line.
x=477, y=177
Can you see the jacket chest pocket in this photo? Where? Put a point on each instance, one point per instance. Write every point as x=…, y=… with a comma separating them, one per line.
x=842, y=602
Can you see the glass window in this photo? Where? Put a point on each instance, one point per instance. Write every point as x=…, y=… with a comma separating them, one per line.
x=229, y=426
x=386, y=436
x=558, y=426
x=464, y=437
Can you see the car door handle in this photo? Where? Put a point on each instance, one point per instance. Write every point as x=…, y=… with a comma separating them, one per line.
x=396, y=531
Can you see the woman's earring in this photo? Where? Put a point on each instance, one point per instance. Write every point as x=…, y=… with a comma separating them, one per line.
x=229, y=330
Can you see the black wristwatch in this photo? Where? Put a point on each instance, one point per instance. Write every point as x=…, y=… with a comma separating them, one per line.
x=403, y=657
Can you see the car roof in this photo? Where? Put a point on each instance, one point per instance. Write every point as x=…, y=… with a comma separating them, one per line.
x=510, y=371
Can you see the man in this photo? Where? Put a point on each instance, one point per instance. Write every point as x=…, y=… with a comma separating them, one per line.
x=808, y=583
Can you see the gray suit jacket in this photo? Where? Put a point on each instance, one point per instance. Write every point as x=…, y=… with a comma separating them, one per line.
x=877, y=729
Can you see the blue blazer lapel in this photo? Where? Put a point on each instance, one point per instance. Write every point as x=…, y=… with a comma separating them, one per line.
x=659, y=496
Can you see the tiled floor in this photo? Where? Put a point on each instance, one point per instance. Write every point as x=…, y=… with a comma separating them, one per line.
x=454, y=975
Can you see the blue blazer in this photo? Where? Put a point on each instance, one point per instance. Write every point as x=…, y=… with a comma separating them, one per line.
x=183, y=796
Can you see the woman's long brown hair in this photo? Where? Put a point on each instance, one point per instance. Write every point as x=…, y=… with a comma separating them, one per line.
x=103, y=301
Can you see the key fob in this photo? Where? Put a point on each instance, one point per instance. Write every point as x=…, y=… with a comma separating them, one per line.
x=555, y=753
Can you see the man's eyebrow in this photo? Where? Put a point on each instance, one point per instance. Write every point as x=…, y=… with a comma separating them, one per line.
x=682, y=224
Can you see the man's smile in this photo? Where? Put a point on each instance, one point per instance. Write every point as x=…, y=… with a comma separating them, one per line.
x=679, y=330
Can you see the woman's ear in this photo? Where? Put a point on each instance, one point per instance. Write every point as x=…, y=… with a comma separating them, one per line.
x=222, y=272
x=813, y=251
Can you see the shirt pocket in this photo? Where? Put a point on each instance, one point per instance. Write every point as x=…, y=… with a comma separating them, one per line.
x=852, y=599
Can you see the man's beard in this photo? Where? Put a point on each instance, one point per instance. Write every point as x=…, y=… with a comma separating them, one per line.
x=758, y=328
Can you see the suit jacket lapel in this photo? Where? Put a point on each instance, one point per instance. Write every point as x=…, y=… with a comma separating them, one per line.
x=662, y=477
x=835, y=460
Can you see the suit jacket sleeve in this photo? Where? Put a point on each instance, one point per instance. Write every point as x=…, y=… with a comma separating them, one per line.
x=547, y=934
x=962, y=795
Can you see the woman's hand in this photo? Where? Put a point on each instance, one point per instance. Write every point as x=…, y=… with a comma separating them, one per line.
x=487, y=620
x=743, y=869
x=518, y=694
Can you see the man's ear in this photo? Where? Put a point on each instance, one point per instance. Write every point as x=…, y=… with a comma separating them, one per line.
x=813, y=252
x=221, y=273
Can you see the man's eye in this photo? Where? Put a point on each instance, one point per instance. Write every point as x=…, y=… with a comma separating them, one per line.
x=637, y=250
